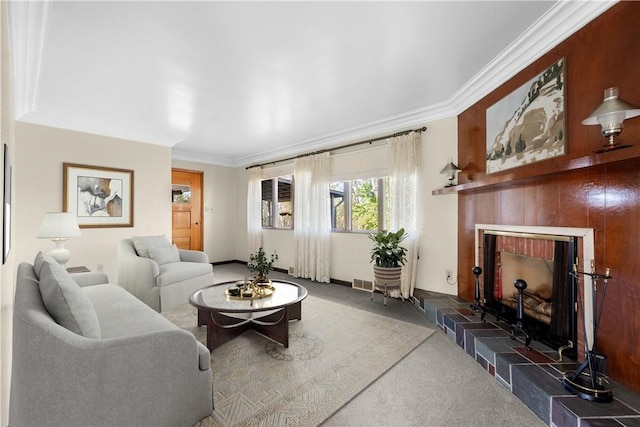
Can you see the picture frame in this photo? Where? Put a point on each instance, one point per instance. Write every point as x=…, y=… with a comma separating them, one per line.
x=98, y=196
x=528, y=125
x=6, y=205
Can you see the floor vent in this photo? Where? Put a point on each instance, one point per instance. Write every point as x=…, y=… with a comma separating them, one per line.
x=363, y=285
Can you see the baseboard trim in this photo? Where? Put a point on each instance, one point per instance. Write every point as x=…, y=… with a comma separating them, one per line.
x=340, y=282
x=228, y=262
x=279, y=270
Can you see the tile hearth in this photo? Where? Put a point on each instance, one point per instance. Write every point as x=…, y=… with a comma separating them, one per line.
x=534, y=376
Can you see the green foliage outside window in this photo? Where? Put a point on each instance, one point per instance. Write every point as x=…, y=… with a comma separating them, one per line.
x=360, y=205
x=364, y=205
x=182, y=198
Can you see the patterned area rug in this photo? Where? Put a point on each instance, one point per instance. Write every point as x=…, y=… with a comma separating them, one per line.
x=334, y=352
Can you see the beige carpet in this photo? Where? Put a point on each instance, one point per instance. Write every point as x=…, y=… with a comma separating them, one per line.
x=334, y=353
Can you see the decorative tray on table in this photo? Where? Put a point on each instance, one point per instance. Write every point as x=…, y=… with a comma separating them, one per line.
x=249, y=291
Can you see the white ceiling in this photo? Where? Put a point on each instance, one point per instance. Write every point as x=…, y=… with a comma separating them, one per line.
x=237, y=83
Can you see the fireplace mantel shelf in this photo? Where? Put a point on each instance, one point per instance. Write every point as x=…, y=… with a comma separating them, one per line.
x=544, y=170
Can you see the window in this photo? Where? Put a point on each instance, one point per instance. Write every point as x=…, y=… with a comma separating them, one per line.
x=338, y=205
x=360, y=205
x=277, y=202
x=181, y=194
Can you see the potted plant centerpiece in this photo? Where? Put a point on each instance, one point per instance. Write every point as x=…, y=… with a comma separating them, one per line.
x=388, y=257
x=261, y=265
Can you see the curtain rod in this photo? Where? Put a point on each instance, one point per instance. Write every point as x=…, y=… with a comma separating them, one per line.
x=353, y=144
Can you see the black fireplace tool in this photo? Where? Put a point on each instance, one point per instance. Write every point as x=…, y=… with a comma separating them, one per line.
x=518, y=327
x=587, y=382
x=476, y=307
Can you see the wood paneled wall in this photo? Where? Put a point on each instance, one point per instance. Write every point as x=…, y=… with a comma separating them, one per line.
x=580, y=189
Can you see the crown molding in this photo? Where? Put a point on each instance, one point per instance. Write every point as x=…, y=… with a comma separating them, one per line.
x=562, y=20
x=201, y=158
x=27, y=22
x=371, y=130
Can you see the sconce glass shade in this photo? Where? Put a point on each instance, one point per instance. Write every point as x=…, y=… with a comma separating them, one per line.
x=610, y=115
x=59, y=226
x=450, y=170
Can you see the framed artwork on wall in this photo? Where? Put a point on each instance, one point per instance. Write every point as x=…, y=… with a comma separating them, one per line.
x=528, y=125
x=98, y=196
x=6, y=206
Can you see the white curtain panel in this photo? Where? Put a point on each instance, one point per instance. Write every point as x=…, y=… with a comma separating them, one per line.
x=405, y=202
x=254, y=209
x=312, y=207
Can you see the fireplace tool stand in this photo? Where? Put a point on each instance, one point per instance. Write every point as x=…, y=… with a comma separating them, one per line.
x=476, y=307
x=520, y=285
x=586, y=381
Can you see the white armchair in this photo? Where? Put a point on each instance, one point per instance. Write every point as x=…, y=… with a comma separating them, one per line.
x=159, y=274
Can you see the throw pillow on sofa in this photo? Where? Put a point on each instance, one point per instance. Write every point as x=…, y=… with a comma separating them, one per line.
x=142, y=244
x=66, y=302
x=42, y=259
x=165, y=254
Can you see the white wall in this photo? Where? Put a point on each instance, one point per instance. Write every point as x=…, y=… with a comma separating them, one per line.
x=439, y=235
x=241, y=244
x=7, y=270
x=42, y=150
x=40, y=153
x=220, y=213
x=350, y=251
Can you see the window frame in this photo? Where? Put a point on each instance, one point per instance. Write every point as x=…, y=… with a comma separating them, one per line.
x=274, y=205
x=382, y=184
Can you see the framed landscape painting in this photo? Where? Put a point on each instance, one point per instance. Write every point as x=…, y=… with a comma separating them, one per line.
x=528, y=125
x=98, y=196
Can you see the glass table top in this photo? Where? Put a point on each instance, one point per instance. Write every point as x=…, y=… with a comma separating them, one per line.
x=214, y=297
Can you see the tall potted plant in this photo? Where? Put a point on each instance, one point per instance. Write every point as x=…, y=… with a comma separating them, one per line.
x=261, y=265
x=388, y=257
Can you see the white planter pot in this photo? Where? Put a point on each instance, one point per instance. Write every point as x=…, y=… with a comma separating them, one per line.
x=386, y=280
x=387, y=276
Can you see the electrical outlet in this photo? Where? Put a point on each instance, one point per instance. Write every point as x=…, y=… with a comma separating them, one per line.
x=449, y=275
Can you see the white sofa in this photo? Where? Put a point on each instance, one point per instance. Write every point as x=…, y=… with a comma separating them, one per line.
x=159, y=274
x=86, y=352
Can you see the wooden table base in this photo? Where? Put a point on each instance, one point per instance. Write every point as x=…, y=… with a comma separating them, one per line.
x=223, y=327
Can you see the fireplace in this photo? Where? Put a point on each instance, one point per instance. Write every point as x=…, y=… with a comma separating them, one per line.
x=544, y=258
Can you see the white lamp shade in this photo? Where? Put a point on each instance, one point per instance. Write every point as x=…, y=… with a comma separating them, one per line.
x=450, y=169
x=612, y=110
x=59, y=225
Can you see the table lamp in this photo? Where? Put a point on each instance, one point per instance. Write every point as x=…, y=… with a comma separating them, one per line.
x=59, y=226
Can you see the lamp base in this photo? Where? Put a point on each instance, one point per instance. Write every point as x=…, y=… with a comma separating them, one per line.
x=60, y=253
x=609, y=147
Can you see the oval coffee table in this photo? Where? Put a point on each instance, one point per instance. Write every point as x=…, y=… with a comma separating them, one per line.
x=228, y=317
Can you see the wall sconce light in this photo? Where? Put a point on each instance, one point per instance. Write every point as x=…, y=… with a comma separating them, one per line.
x=610, y=115
x=450, y=170
x=59, y=226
